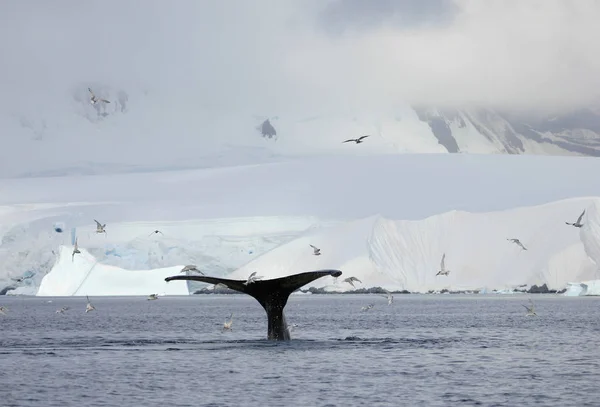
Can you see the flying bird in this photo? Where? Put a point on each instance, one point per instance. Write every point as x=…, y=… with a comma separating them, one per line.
x=578, y=223
x=94, y=99
x=443, y=271
x=62, y=310
x=191, y=267
x=2, y=309
x=389, y=297
x=350, y=280
x=530, y=309
x=356, y=140
x=153, y=297
x=227, y=324
x=100, y=228
x=252, y=278
x=518, y=243
x=316, y=250
x=155, y=232
x=89, y=307
x=75, y=250
x=21, y=279
x=368, y=307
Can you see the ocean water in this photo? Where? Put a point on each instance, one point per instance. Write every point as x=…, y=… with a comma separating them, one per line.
x=423, y=350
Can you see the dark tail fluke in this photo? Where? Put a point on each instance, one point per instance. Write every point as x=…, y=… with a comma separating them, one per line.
x=271, y=294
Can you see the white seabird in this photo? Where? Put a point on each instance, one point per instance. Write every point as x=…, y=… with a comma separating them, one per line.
x=252, y=278
x=227, y=324
x=518, y=243
x=350, y=280
x=62, y=310
x=530, y=309
x=94, y=99
x=368, y=307
x=443, y=271
x=153, y=297
x=2, y=309
x=100, y=228
x=89, y=307
x=577, y=223
x=75, y=250
x=191, y=267
x=389, y=297
x=156, y=232
x=316, y=250
x=356, y=140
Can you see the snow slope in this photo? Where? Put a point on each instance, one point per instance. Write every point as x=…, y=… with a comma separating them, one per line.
x=84, y=275
x=221, y=218
x=70, y=136
x=405, y=255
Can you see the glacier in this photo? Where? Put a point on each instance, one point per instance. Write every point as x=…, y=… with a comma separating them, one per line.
x=224, y=219
x=405, y=255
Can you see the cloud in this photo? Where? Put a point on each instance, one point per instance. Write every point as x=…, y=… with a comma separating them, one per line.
x=284, y=56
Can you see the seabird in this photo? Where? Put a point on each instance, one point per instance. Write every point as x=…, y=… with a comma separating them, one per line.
x=2, y=309
x=94, y=99
x=518, y=243
x=227, y=324
x=578, y=223
x=316, y=250
x=368, y=307
x=21, y=279
x=100, y=227
x=155, y=232
x=62, y=310
x=153, y=297
x=443, y=271
x=530, y=309
x=291, y=327
x=350, y=280
x=75, y=250
x=356, y=140
x=89, y=307
x=389, y=297
x=252, y=278
x=191, y=267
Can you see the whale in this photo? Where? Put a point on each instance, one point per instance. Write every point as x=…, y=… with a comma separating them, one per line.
x=272, y=295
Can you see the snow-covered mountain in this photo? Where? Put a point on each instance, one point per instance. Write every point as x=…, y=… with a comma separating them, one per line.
x=140, y=130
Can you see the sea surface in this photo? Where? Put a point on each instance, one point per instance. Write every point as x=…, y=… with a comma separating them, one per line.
x=423, y=350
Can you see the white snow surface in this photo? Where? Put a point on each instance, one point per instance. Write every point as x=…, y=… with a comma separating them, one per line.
x=83, y=275
x=405, y=255
x=222, y=219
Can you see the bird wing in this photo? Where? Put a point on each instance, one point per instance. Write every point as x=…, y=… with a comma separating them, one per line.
x=580, y=216
x=313, y=247
x=92, y=93
x=356, y=279
x=252, y=275
x=443, y=262
x=362, y=137
x=352, y=139
x=98, y=224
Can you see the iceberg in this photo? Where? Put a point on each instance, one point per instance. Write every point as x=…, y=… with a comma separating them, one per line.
x=405, y=255
x=583, y=288
x=83, y=275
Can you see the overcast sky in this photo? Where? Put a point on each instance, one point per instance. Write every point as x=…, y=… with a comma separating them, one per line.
x=303, y=55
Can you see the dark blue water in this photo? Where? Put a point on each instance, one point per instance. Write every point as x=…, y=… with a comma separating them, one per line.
x=443, y=350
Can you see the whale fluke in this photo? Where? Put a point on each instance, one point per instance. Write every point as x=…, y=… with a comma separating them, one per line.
x=271, y=294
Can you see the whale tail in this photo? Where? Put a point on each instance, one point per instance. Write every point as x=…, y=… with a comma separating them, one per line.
x=271, y=294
